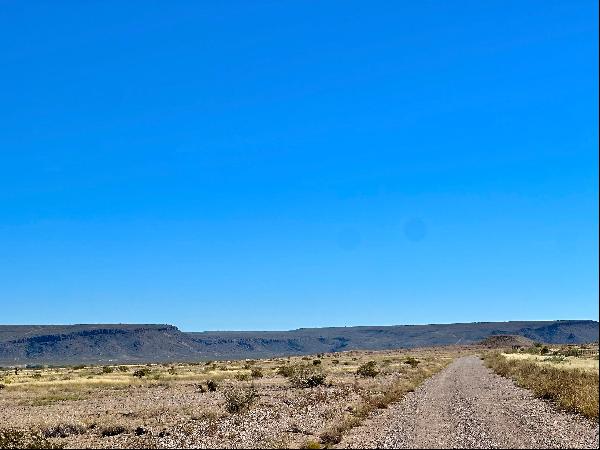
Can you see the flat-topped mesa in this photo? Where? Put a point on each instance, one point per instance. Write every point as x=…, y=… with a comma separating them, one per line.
x=135, y=343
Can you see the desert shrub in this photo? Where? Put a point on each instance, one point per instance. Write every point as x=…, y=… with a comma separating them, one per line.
x=368, y=369
x=36, y=376
x=141, y=373
x=316, y=362
x=412, y=362
x=172, y=371
x=256, y=373
x=63, y=430
x=239, y=398
x=571, y=389
x=335, y=361
x=242, y=376
x=211, y=385
x=123, y=369
x=331, y=437
x=112, y=430
x=107, y=369
x=305, y=358
x=13, y=438
x=2, y=386
x=307, y=377
x=285, y=371
x=544, y=350
x=79, y=367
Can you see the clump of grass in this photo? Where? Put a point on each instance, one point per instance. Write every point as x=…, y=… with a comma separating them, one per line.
x=239, y=398
x=368, y=370
x=311, y=445
x=256, y=373
x=572, y=390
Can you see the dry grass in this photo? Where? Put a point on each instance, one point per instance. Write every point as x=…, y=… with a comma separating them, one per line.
x=558, y=361
x=574, y=390
x=205, y=404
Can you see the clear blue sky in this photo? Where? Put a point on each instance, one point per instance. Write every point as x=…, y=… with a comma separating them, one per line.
x=272, y=165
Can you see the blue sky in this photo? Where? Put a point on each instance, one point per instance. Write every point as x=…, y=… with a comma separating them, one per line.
x=273, y=165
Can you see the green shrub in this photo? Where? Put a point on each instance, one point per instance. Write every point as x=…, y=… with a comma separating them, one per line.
x=368, y=369
x=256, y=373
x=107, y=369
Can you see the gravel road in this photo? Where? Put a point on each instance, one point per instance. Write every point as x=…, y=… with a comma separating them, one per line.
x=468, y=406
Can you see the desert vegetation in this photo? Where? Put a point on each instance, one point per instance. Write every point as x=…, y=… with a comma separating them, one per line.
x=279, y=402
x=549, y=374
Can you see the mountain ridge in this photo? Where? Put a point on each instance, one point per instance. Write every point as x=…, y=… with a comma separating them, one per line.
x=102, y=343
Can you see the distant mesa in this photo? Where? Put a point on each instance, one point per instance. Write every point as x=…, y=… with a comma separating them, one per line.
x=137, y=343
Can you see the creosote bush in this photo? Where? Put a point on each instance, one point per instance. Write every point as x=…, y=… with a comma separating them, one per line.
x=307, y=377
x=211, y=385
x=141, y=373
x=412, y=362
x=368, y=369
x=239, y=398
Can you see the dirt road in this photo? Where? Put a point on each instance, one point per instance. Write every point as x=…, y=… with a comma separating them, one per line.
x=467, y=406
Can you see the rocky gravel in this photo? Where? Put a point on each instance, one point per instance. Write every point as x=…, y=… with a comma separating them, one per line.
x=468, y=406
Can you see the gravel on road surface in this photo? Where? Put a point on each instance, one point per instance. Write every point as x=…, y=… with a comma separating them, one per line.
x=468, y=406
